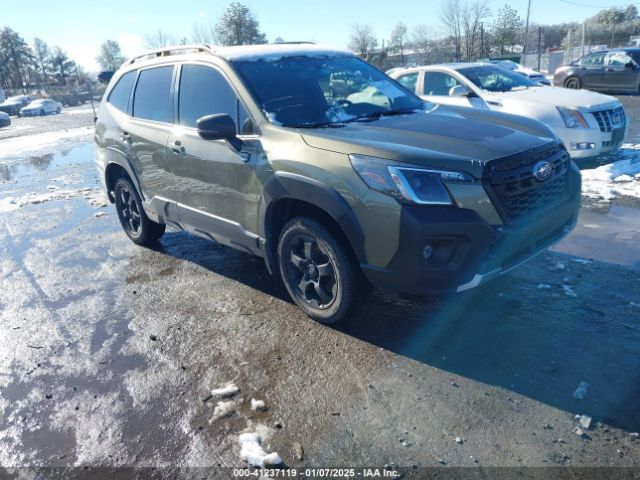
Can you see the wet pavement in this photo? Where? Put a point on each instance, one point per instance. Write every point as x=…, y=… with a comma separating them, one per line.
x=109, y=351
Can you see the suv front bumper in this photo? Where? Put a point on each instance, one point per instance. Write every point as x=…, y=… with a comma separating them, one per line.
x=465, y=250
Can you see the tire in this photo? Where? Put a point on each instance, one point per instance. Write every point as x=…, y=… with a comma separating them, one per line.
x=42, y=113
x=58, y=110
x=573, y=82
x=134, y=221
x=318, y=271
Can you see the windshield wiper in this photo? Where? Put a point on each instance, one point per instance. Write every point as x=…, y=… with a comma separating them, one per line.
x=382, y=113
x=315, y=125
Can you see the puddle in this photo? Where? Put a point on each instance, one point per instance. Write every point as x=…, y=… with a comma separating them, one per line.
x=611, y=236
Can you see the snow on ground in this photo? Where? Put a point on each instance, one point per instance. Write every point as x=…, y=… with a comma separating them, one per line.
x=96, y=198
x=222, y=409
x=41, y=141
x=251, y=451
x=620, y=178
x=258, y=405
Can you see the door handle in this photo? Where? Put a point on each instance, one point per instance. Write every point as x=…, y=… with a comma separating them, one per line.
x=178, y=148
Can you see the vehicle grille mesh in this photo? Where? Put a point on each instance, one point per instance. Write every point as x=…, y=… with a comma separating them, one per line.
x=519, y=194
x=607, y=119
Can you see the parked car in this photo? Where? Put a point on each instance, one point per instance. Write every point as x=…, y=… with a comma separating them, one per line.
x=5, y=120
x=522, y=70
x=242, y=146
x=41, y=106
x=588, y=123
x=607, y=70
x=12, y=105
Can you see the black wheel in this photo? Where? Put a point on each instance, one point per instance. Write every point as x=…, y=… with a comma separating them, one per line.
x=42, y=112
x=135, y=223
x=58, y=110
x=573, y=83
x=317, y=270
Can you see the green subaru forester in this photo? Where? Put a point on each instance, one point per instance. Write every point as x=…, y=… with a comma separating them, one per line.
x=337, y=187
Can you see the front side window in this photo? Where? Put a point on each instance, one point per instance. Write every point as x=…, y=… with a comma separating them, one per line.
x=205, y=91
x=494, y=79
x=311, y=92
x=409, y=81
x=439, y=83
x=119, y=96
x=619, y=59
x=152, y=98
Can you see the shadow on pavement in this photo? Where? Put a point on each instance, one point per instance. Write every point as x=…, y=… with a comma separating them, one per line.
x=508, y=333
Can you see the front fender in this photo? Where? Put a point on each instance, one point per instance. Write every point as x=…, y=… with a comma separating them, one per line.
x=285, y=185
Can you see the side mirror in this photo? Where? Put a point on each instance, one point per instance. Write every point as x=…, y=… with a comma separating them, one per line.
x=458, y=91
x=630, y=65
x=218, y=127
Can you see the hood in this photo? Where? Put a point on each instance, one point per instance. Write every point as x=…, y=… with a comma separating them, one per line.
x=459, y=138
x=584, y=100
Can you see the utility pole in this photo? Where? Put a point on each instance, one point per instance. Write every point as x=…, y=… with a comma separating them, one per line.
x=584, y=27
x=569, y=48
x=481, y=39
x=526, y=32
x=539, y=46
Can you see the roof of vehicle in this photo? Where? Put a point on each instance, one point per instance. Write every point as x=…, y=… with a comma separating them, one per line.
x=247, y=53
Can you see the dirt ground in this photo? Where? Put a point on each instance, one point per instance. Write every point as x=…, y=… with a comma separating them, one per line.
x=109, y=352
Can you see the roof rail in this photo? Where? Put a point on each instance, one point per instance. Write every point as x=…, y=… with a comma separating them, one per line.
x=173, y=50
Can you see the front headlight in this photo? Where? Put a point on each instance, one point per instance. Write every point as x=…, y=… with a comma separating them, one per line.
x=407, y=183
x=572, y=118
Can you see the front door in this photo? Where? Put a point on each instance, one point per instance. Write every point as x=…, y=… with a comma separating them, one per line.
x=218, y=186
x=436, y=87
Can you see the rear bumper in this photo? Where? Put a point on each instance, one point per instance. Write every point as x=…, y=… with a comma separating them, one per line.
x=466, y=250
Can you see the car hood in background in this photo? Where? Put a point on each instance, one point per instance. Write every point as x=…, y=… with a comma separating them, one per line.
x=584, y=100
x=444, y=137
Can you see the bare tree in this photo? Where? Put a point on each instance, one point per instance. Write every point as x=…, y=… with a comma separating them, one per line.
x=451, y=16
x=363, y=41
x=110, y=57
x=203, y=34
x=422, y=37
x=398, y=40
x=159, y=39
x=238, y=26
x=473, y=14
x=42, y=53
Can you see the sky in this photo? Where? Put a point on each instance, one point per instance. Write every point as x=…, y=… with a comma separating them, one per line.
x=79, y=27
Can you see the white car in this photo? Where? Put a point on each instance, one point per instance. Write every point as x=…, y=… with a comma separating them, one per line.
x=522, y=70
x=41, y=106
x=588, y=123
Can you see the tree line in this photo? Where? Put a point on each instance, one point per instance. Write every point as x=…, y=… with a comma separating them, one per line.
x=468, y=30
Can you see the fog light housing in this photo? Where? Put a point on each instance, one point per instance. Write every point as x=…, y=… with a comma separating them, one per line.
x=582, y=146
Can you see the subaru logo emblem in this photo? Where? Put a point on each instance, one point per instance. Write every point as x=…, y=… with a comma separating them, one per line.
x=542, y=170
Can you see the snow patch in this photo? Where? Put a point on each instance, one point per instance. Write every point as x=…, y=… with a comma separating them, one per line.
x=273, y=53
x=222, y=409
x=229, y=390
x=251, y=451
x=620, y=178
x=96, y=198
x=258, y=405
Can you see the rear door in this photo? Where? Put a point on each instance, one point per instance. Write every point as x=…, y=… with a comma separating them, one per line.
x=147, y=131
x=591, y=70
x=621, y=72
x=219, y=189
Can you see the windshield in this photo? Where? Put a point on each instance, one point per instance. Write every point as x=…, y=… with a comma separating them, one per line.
x=312, y=92
x=494, y=79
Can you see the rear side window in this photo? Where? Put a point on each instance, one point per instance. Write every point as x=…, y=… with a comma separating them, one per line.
x=152, y=100
x=205, y=91
x=596, y=60
x=409, y=81
x=119, y=96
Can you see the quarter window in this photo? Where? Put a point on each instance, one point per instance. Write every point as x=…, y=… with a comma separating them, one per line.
x=119, y=96
x=409, y=81
x=205, y=91
x=438, y=83
x=152, y=100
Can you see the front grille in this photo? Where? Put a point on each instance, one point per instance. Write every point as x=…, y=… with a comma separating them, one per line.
x=516, y=190
x=610, y=119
